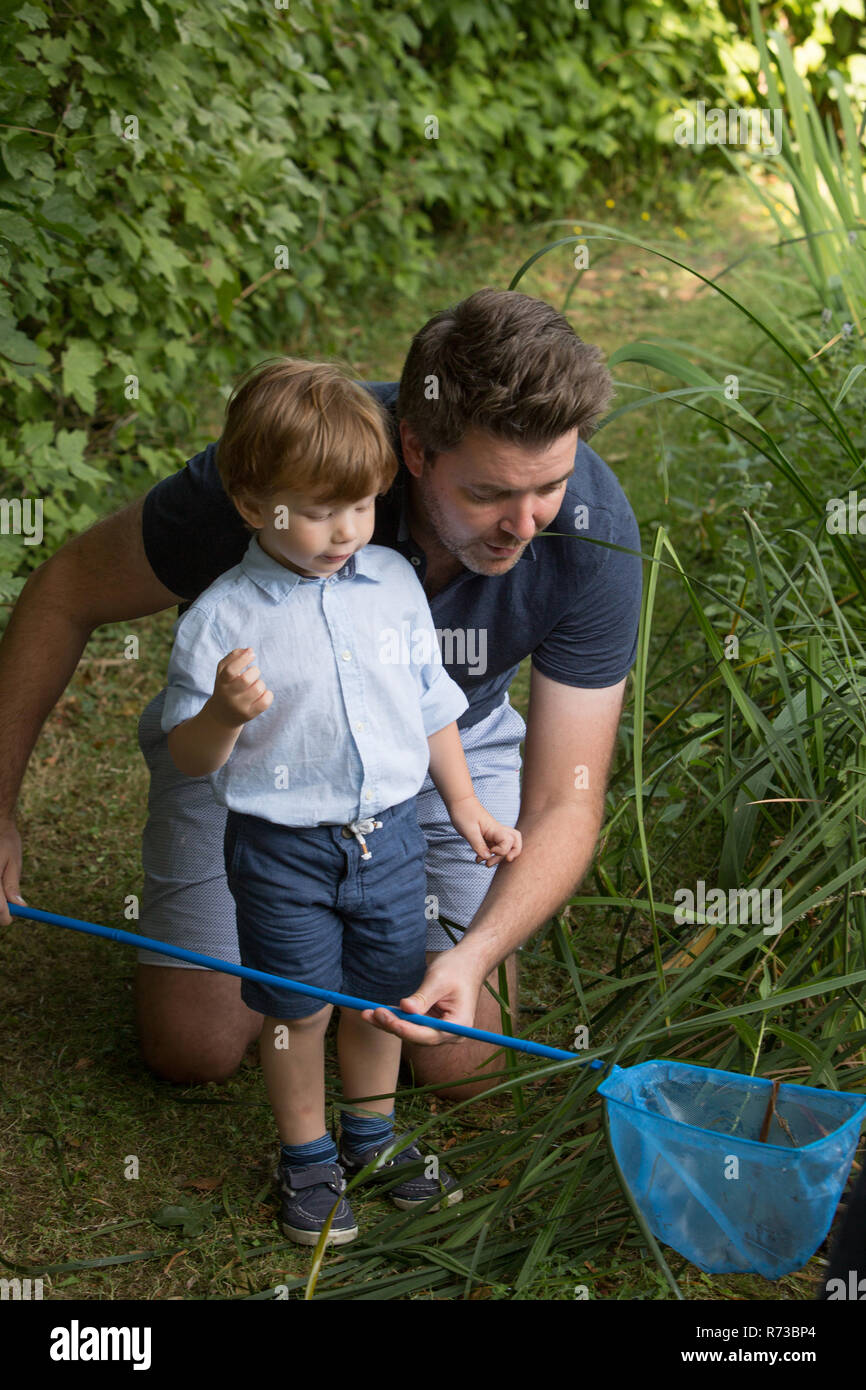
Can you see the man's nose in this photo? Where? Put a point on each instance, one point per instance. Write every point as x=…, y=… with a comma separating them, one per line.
x=520, y=521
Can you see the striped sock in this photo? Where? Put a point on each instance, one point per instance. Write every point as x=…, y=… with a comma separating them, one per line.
x=322, y=1150
x=361, y=1132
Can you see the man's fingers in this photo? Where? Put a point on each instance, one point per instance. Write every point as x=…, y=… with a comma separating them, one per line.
x=10, y=870
x=414, y=1003
x=409, y=1032
x=12, y=896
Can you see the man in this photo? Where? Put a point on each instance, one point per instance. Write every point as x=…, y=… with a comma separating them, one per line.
x=498, y=503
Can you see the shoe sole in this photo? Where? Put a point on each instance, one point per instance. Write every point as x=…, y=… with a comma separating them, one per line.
x=449, y=1201
x=301, y=1237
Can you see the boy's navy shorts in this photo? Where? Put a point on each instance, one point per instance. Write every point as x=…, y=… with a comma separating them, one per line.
x=311, y=909
x=186, y=899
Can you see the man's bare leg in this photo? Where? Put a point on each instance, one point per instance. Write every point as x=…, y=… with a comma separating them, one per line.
x=193, y=1025
x=440, y=1065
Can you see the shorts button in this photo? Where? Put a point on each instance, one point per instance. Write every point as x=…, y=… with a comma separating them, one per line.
x=346, y=833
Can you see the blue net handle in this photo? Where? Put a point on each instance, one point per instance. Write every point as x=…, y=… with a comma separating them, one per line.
x=346, y=1001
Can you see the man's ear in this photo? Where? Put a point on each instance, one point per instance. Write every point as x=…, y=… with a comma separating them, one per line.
x=412, y=450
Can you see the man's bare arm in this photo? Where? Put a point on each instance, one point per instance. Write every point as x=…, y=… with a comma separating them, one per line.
x=101, y=576
x=567, y=728
x=570, y=737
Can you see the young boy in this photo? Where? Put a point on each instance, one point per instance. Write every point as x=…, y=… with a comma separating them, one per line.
x=307, y=682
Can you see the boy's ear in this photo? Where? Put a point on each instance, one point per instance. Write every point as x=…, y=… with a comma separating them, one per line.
x=250, y=508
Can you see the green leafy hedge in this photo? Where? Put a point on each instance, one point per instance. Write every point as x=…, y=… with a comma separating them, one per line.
x=182, y=180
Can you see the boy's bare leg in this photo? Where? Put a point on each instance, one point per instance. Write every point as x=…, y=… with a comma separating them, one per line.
x=369, y=1063
x=292, y=1053
x=193, y=1025
x=439, y=1066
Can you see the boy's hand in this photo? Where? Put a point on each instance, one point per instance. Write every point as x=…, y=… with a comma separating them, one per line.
x=239, y=695
x=490, y=840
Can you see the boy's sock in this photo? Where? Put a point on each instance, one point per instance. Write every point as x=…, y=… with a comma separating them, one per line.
x=322, y=1150
x=362, y=1131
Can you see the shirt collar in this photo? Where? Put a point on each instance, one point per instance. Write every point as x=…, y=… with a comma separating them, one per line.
x=278, y=582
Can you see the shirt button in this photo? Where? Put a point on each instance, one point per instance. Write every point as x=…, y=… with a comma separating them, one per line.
x=347, y=656
x=359, y=726
x=369, y=796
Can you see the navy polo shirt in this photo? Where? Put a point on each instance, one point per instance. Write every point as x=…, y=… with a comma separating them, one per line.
x=572, y=606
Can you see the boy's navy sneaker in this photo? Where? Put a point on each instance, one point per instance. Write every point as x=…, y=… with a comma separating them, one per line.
x=413, y=1191
x=307, y=1198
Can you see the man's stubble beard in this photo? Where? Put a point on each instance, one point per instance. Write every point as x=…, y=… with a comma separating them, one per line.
x=470, y=554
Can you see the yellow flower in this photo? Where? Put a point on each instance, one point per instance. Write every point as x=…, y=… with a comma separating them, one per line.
x=678, y=231
x=577, y=230
x=609, y=203
x=645, y=217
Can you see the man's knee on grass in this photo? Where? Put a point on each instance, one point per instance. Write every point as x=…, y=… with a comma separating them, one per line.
x=193, y=1026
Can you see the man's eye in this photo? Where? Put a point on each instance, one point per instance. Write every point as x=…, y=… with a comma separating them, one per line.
x=550, y=487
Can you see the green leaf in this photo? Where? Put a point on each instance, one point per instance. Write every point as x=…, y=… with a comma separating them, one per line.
x=16, y=229
x=848, y=383
x=18, y=348
x=35, y=436
x=24, y=155
x=128, y=238
x=152, y=14
x=67, y=214
x=166, y=257
x=81, y=361
x=75, y=117
x=796, y=1041
x=226, y=294
x=69, y=446
x=33, y=18
x=746, y=1034
x=192, y=1220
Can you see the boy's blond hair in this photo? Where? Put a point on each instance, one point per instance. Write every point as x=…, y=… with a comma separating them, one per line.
x=305, y=427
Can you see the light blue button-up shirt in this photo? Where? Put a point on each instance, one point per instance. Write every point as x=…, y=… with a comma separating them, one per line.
x=356, y=669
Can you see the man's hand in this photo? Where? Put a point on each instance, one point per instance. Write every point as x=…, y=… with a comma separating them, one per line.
x=449, y=990
x=490, y=840
x=239, y=695
x=10, y=869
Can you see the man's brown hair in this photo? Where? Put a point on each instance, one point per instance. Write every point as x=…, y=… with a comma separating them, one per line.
x=308, y=428
x=505, y=363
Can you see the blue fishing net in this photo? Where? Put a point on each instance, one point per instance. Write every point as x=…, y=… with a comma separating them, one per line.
x=687, y=1141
